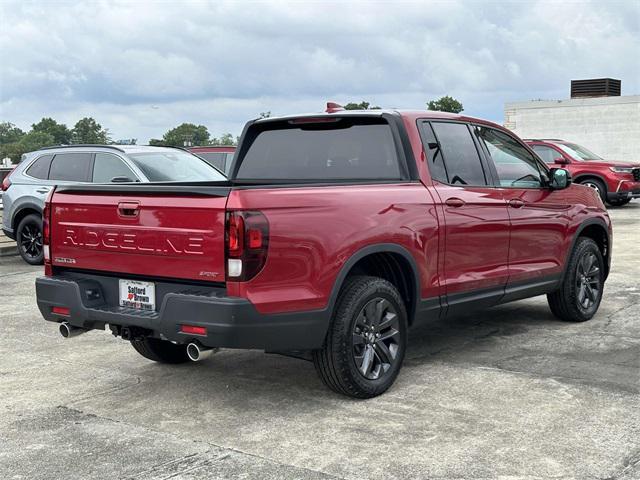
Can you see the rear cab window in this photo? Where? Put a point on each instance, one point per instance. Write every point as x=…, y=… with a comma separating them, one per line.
x=327, y=149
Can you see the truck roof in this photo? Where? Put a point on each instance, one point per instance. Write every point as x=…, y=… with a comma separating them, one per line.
x=411, y=115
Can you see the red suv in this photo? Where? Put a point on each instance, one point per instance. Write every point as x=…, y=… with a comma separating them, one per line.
x=332, y=236
x=616, y=182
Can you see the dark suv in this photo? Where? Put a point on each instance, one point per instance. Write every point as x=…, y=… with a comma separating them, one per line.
x=27, y=186
x=616, y=182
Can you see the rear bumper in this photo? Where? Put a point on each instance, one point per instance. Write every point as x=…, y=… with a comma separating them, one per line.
x=230, y=322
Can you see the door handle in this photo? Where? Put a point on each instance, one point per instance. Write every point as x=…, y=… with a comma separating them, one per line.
x=43, y=190
x=454, y=202
x=128, y=209
x=516, y=203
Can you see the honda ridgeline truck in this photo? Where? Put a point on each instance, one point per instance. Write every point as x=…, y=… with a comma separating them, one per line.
x=334, y=234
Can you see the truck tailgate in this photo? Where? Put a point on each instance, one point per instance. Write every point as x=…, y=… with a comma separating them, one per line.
x=141, y=233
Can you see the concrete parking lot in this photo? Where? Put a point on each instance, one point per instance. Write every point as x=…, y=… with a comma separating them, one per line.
x=507, y=393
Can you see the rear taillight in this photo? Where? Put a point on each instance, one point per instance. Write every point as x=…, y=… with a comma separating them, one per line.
x=6, y=182
x=247, y=242
x=46, y=234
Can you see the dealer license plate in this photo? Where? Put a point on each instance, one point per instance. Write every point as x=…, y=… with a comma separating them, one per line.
x=140, y=295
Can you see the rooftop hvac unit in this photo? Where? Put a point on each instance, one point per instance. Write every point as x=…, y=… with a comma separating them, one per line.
x=595, y=87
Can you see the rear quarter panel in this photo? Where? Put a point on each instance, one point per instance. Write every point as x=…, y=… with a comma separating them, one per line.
x=313, y=231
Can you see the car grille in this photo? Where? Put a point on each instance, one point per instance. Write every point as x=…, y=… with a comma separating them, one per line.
x=636, y=174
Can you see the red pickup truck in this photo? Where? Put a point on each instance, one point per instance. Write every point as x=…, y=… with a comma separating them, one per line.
x=334, y=234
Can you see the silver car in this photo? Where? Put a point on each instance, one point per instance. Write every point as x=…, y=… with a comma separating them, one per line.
x=26, y=188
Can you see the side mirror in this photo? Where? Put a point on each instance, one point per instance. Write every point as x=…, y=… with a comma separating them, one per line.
x=560, y=178
x=122, y=180
x=560, y=161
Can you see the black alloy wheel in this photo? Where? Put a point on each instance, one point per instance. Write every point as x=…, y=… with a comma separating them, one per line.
x=376, y=337
x=579, y=295
x=29, y=239
x=588, y=280
x=367, y=339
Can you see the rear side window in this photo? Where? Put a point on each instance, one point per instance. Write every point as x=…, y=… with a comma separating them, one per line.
x=175, y=166
x=547, y=154
x=107, y=167
x=71, y=167
x=216, y=159
x=40, y=168
x=516, y=167
x=434, y=154
x=344, y=149
x=463, y=164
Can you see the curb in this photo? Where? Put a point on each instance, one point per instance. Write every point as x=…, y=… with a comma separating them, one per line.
x=8, y=250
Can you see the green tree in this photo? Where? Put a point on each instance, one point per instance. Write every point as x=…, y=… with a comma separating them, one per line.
x=9, y=133
x=360, y=106
x=185, y=135
x=59, y=131
x=225, y=139
x=266, y=114
x=28, y=143
x=88, y=130
x=445, y=104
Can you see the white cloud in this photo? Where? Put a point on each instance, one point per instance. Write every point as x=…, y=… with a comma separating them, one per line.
x=221, y=63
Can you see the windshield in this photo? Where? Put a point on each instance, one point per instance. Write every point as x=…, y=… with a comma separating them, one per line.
x=578, y=152
x=175, y=166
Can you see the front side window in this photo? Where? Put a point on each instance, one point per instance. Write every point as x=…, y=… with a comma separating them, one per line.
x=342, y=149
x=175, y=166
x=107, y=167
x=516, y=167
x=40, y=168
x=70, y=167
x=547, y=154
x=461, y=159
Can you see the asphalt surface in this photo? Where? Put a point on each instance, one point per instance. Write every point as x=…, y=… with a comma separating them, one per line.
x=507, y=393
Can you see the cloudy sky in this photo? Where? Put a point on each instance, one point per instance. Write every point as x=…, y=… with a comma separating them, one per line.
x=141, y=67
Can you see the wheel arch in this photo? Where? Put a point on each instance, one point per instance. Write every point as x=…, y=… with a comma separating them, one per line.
x=586, y=176
x=25, y=209
x=390, y=261
x=597, y=230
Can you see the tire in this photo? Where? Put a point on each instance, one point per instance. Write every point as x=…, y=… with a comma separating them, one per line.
x=161, y=351
x=367, y=339
x=619, y=203
x=597, y=185
x=585, y=271
x=29, y=239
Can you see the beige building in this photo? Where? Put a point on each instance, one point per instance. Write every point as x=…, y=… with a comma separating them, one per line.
x=609, y=126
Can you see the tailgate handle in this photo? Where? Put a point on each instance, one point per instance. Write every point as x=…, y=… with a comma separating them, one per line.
x=128, y=209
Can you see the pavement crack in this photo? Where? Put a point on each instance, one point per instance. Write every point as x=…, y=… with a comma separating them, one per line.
x=197, y=441
x=629, y=463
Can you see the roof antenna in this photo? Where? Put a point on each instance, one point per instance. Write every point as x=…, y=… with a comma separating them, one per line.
x=333, y=107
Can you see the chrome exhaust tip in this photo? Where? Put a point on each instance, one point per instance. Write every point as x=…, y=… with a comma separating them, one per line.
x=68, y=331
x=197, y=352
